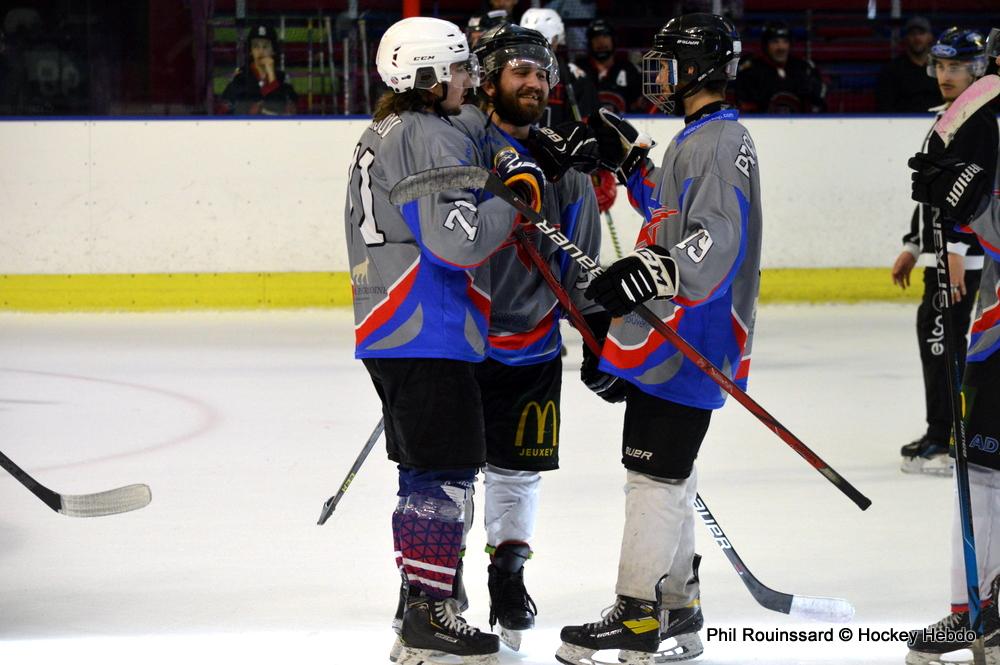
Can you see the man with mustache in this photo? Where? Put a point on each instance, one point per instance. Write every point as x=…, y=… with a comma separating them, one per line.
x=521, y=379
x=952, y=63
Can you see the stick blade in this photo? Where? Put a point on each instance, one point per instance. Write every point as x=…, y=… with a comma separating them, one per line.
x=974, y=98
x=111, y=502
x=433, y=181
x=830, y=610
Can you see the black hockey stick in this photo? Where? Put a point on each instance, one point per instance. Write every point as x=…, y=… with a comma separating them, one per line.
x=111, y=502
x=331, y=504
x=474, y=177
x=801, y=607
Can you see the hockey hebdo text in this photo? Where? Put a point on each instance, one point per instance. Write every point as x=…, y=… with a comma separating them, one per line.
x=856, y=634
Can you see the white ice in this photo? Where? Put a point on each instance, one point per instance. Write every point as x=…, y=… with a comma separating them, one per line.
x=244, y=423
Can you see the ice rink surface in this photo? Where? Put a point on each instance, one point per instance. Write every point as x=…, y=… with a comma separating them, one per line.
x=244, y=423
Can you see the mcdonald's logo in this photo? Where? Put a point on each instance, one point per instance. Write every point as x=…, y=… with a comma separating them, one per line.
x=541, y=419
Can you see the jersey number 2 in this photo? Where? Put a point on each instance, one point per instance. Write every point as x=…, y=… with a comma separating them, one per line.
x=369, y=229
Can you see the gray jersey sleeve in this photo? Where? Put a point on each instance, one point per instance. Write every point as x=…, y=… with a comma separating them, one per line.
x=453, y=227
x=581, y=217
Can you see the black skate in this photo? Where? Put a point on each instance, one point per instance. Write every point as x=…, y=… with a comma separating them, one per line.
x=458, y=593
x=630, y=625
x=926, y=456
x=682, y=626
x=952, y=633
x=510, y=604
x=433, y=631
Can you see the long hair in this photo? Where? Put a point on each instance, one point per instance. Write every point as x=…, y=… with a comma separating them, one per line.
x=397, y=102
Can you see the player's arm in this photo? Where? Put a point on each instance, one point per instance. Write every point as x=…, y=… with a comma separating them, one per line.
x=581, y=222
x=453, y=228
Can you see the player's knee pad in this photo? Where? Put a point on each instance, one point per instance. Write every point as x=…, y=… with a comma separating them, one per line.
x=511, y=504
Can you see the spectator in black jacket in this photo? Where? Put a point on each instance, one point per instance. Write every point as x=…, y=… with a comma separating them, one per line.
x=261, y=88
x=777, y=82
x=903, y=84
x=619, y=83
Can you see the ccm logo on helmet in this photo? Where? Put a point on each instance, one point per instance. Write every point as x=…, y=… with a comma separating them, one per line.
x=421, y=58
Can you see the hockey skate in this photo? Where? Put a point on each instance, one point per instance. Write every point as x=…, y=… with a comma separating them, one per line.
x=510, y=604
x=397, y=621
x=682, y=626
x=433, y=632
x=630, y=625
x=931, y=645
x=926, y=456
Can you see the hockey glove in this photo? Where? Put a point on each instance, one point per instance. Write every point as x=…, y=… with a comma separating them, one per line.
x=644, y=274
x=571, y=145
x=622, y=147
x=522, y=175
x=958, y=188
x=608, y=387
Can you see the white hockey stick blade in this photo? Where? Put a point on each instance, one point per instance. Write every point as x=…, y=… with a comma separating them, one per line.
x=111, y=502
x=974, y=98
x=433, y=181
x=833, y=610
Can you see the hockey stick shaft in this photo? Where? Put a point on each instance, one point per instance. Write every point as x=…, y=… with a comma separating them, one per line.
x=474, y=177
x=820, y=609
x=110, y=502
x=331, y=504
x=614, y=234
x=496, y=187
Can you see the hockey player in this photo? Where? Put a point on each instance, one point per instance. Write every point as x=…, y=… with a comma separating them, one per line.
x=961, y=182
x=697, y=261
x=421, y=315
x=521, y=379
x=574, y=95
x=949, y=62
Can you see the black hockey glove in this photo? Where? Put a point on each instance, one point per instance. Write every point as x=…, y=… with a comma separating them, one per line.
x=571, y=145
x=521, y=174
x=644, y=274
x=622, y=147
x=608, y=387
x=958, y=188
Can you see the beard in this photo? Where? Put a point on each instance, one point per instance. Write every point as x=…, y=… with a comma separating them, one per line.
x=518, y=109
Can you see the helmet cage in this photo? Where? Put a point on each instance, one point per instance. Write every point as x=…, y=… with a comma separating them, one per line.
x=519, y=55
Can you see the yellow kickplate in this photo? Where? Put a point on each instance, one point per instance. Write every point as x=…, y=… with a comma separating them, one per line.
x=642, y=625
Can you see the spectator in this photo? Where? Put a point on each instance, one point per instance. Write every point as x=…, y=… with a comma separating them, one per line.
x=903, y=84
x=619, y=83
x=483, y=21
x=777, y=82
x=261, y=88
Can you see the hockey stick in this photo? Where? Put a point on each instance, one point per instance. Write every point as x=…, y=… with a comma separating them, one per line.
x=331, y=504
x=111, y=502
x=970, y=101
x=801, y=607
x=473, y=177
x=614, y=234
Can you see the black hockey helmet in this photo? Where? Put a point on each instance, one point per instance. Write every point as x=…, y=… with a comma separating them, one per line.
x=483, y=21
x=599, y=26
x=511, y=43
x=958, y=44
x=774, y=30
x=690, y=50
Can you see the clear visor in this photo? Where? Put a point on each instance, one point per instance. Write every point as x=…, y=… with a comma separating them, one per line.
x=466, y=73
x=975, y=66
x=521, y=56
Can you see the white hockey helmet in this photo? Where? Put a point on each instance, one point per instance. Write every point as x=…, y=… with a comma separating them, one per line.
x=418, y=52
x=546, y=21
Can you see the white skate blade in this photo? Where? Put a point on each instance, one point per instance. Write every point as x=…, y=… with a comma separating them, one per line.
x=686, y=647
x=411, y=656
x=957, y=657
x=397, y=647
x=571, y=654
x=511, y=638
x=939, y=465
